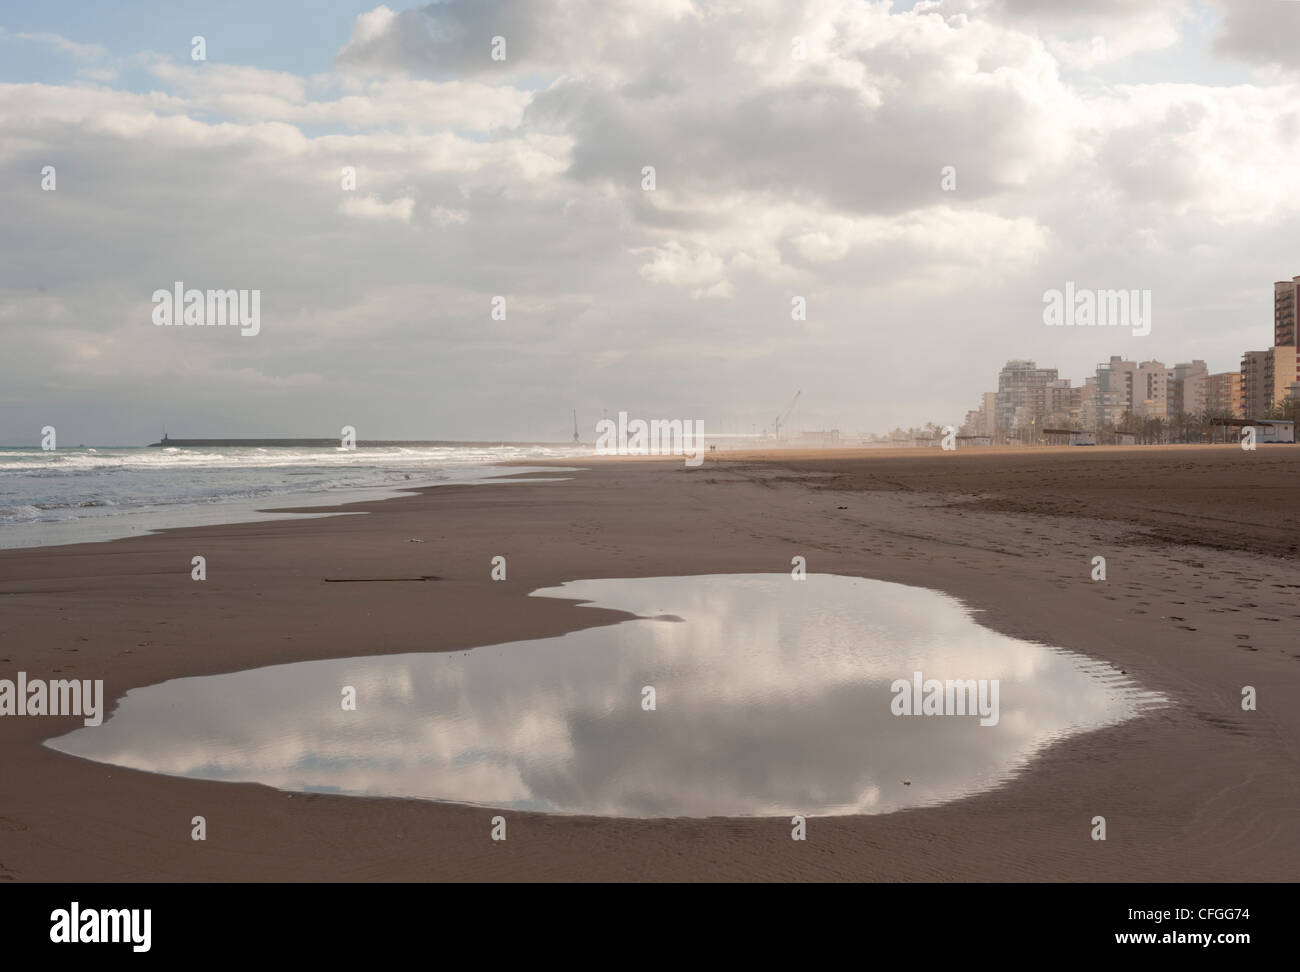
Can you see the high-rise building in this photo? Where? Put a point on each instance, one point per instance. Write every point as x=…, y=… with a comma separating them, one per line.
x=1284, y=312
x=1088, y=403
x=1254, y=399
x=989, y=409
x=1151, y=390
x=1225, y=395
x=1281, y=372
x=1286, y=309
x=1022, y=395
x=1115, y=380
x=1187, y=393
x=982, y=420
x=1063, y=402
x=1126, y=386
x=1267, y=377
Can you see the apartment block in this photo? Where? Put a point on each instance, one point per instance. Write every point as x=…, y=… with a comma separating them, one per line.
x=1088, y=403
x=1189, y=387
x=1267, y=377
x=1225, y=395
x=1151, y=390
x=1286, y=309
x=1115, y=381
x=1022, y=395
x=1063, y=402
x=1284, y=312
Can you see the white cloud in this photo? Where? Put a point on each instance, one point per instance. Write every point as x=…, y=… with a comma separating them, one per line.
x=698, y=270
x=448, y=217
x=371, y=207
x=774, y=177
x=58, y=43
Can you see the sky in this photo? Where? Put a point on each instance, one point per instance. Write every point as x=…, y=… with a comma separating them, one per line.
x=1110, y=144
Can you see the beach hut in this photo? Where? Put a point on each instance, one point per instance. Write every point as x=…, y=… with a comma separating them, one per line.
x=1275, y=430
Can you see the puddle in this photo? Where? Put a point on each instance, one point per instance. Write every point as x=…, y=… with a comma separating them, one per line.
x=772, y=697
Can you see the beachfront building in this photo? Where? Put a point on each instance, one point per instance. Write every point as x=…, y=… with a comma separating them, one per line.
x=982, y=421
x=1267, y=377
x=1124, y=387
x=1284, y=313
x=1063, y=403
x=1115, y=381
x=1021, y=401
x=1275, y=430
x=1225, y=395
x=1281, y=371
x=1189, y=388
x=1088, y=417
x=989, y=409
x=1151, y=390
x=1252, y=383
x=1286, y=308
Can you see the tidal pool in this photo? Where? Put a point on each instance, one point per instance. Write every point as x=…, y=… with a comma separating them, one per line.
x=771, y=696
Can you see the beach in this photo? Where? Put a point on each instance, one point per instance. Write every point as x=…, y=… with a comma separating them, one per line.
x=1200, y=600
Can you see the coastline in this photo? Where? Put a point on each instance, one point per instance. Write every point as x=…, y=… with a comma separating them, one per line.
x=248, y=502
x=1197, y=791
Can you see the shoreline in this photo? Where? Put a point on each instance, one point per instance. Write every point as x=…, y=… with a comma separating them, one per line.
x=1195, y=792
x=28, y=535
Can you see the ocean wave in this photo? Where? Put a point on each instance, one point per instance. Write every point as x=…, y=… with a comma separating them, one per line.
x=38, y=486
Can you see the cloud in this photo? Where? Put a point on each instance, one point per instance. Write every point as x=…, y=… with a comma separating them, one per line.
x=702, y=272
x=454, y=38
x=371, y=207
x=775, y=176
x=448, y=217
x=1260, y=32
x=252, y=94
x=59, y=44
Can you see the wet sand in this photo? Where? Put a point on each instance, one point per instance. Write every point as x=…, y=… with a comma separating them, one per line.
x=1201, y=599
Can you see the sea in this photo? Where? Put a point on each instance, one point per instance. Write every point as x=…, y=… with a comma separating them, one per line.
x=85, y=494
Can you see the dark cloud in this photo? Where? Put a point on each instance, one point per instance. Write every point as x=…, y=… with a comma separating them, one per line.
x=1260, y=32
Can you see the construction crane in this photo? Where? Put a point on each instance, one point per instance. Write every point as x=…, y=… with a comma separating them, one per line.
x=784, y=417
